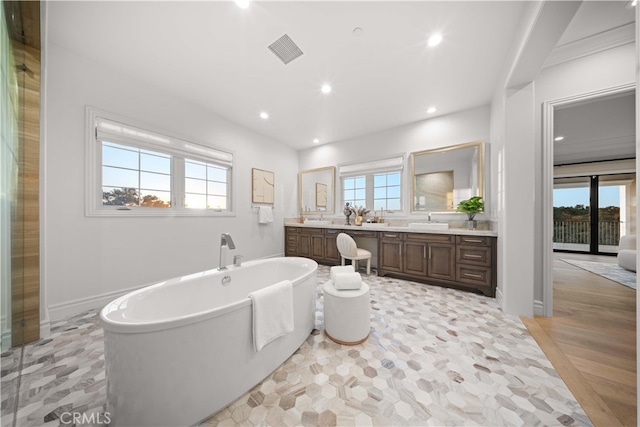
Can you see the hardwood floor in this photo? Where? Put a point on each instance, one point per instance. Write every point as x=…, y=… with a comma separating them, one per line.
x=591, y=340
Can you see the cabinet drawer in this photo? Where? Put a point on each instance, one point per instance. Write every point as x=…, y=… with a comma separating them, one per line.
x=390, y=235
x=354, y=233
x=314, y=231
x=292, y=238
x=292, y=229
x=425, y=237
x=291, y=249
x=474, y=240
x=333, y=231
x=474, y=255
x=473, y=275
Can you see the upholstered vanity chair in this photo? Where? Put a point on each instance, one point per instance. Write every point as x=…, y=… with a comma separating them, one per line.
x=627, y=252
x=349, y=250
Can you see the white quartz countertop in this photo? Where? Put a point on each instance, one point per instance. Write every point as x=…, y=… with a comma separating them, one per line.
x=399, y=229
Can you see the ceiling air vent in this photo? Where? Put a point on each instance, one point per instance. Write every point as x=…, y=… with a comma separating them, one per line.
x=285, y=49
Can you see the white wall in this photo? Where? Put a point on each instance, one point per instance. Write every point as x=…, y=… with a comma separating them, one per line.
x=606, y=69
x=88, y=258
x=451, y=129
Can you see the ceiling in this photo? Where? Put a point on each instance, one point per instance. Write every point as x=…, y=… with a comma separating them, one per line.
x=597, y=130
x=214, y=54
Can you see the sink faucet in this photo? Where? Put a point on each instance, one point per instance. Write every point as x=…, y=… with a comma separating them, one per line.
x=225, y=240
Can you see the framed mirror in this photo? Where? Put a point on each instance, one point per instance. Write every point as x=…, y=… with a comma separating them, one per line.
x=316, y=189
x=442, y=177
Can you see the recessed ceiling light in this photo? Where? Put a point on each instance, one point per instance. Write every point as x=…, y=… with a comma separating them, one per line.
x=264, y=115
x=558, y=138
x=316, y=141
x=434, y=40
x=243, y=4
x=431, y=110
x=325, y=88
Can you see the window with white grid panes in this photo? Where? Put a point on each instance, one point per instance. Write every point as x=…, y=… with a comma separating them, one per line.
x=355, y=190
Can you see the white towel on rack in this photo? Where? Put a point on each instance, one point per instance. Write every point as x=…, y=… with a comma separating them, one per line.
x=265, y=214
x=272, y=313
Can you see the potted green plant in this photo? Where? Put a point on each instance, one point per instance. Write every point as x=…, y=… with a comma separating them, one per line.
x=471, y=207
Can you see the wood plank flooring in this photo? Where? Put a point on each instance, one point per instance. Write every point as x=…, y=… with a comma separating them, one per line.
x=591, y=340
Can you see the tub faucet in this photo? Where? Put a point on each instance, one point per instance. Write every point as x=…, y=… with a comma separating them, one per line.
x=225, y=240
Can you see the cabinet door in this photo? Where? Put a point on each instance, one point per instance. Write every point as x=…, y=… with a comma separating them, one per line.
x=390, y=255
x=317, y=247
x=415, y=258
x=331, y=253
x=304, y=245
x=441, y=259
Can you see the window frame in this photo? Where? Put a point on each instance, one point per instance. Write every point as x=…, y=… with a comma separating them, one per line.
x=179, y=148
x=368, y=169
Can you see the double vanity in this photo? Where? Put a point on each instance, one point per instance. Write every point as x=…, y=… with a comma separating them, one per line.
x=454, y=258
x=439, y=179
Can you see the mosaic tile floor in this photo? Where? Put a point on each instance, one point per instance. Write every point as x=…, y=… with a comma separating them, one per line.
x=435, y=356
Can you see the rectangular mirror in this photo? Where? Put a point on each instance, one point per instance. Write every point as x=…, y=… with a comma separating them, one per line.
x=442, y=177
x=316, y=189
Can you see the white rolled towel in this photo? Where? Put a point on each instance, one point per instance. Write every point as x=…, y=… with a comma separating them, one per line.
x=341, y=269
x=344, y=281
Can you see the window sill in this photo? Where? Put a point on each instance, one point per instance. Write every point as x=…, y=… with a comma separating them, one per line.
x=154, y=212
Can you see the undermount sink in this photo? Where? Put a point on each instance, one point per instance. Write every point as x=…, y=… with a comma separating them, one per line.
x=317, y=221
x=429, y=225
x=375, y=224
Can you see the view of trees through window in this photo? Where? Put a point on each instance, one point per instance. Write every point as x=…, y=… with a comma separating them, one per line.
x=129, y=197
x=572, y=217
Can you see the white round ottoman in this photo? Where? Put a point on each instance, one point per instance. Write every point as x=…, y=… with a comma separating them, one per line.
x=346, y=314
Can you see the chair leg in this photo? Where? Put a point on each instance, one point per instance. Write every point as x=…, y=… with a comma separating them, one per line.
x=368, y=266
x=342, y=258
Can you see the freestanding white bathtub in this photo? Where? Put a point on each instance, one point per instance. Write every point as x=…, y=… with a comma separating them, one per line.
x=180, y=350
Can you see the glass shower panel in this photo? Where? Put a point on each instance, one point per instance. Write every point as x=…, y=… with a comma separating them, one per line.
x=9, y=156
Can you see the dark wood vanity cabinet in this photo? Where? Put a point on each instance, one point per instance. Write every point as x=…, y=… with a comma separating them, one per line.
x=458, y=261
x=475, y=263
x=318, y=244
x=461, y=262
x=417, y=255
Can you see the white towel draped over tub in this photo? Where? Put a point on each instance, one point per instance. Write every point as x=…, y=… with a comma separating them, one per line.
x=265, y=214
x=272, y=312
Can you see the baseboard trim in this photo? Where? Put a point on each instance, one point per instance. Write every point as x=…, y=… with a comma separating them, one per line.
x=538, y=307
x=73, y=307
x=45, y=328
x=499, y=297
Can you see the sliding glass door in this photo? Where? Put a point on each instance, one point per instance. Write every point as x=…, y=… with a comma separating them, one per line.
x=572, y=214
x=591, y=213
